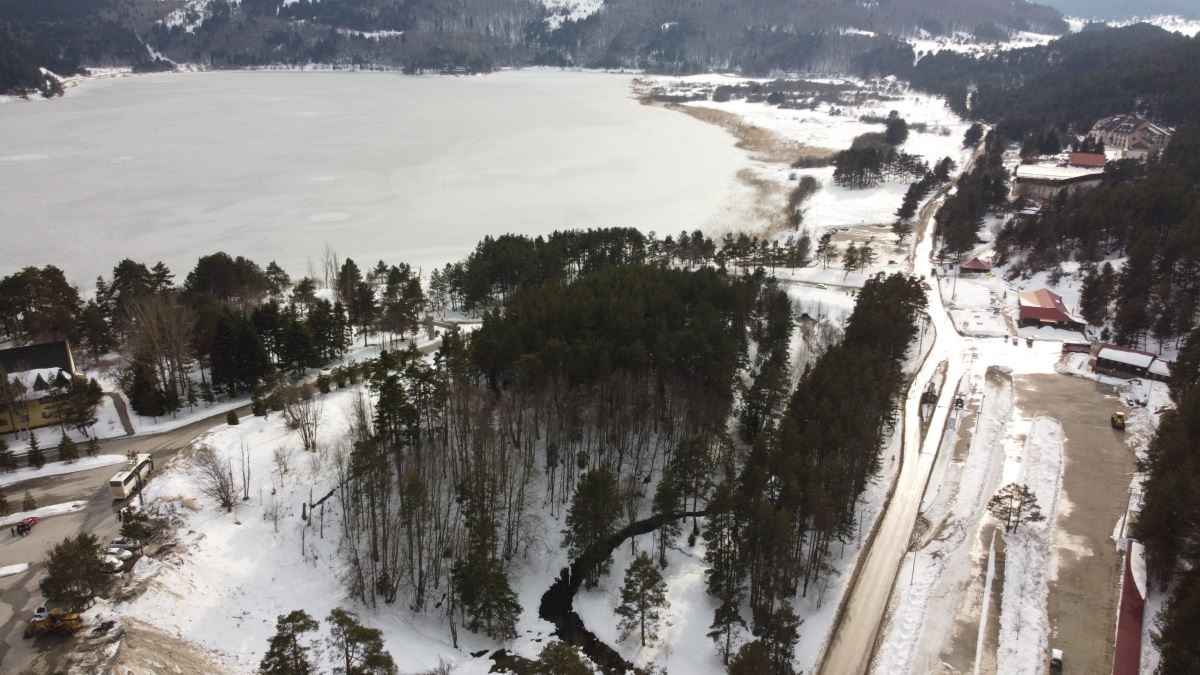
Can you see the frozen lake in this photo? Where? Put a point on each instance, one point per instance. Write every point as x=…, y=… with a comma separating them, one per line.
x=382, y=166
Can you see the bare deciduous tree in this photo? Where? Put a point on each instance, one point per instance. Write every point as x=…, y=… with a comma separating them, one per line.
x=214, y=476
x=158, y=332
x=302, y=410
x=283, y=461
x=245, y=472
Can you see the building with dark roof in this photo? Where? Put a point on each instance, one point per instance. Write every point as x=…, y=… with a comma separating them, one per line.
x=38, y=357
x=37, y=378
x=1131, y=135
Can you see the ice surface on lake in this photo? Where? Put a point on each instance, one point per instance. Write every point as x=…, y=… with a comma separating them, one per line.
x=272, y=165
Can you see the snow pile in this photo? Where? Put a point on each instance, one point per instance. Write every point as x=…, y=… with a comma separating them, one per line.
x=58, y=468
x=9, y=570
x=43, y=512
x=1024, y=621
x=562, y=11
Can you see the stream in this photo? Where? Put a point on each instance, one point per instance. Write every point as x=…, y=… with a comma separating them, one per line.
x=557, y=602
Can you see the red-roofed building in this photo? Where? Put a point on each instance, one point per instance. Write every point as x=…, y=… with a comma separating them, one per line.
x=974, y=266
x=1045, y=308
x=1089, y=160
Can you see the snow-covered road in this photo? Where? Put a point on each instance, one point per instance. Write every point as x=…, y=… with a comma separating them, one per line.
x=850, y=648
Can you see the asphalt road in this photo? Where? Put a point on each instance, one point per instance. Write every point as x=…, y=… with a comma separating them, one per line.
x=19, y=593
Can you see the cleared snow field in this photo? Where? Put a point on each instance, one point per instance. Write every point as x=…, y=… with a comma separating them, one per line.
x=272, y=165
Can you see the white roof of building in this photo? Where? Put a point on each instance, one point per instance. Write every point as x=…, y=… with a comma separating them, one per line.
x=1128, y=358
x=1055, y=172
x=1160, y=367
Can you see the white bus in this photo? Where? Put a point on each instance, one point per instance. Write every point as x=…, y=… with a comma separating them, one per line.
x=127, y=482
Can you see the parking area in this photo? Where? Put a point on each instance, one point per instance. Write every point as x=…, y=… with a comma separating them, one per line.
x=1082, y=599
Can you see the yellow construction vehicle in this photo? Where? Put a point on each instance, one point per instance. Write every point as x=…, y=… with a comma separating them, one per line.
x=56, y=622
x=1117, y=420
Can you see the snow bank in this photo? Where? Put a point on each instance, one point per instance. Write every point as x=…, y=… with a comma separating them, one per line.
x=9, y=570
x=955, y=509
x=43, y=512
x=1024, y=620
x=59, y=468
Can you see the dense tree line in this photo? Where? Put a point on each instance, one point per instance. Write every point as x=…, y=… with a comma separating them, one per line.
x=774, y=520
x=1070, y=83
x=1169, y=523
x=593, y=381
x=982, y=189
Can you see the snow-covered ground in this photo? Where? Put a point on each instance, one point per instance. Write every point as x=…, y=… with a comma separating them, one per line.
x=562, y=11
x=924, y=43
x=59, y=468
x=232, y=574
x=1175, y=24
x=825, y=127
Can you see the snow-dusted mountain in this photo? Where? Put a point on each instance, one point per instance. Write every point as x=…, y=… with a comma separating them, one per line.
x=754, y=36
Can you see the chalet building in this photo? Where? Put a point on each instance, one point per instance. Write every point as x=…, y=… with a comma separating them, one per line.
x=1125, y=362
x=1043, y=181
x=1045, y=308
x=974, y=266
x=36, y=378
x=1131, y=135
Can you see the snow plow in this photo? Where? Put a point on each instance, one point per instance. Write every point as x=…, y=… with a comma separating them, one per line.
x=1117, y=421
x=56, y=622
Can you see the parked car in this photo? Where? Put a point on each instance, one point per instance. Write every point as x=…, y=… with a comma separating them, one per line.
x=114, y=564
x=119, y=553
x=41, y=613
x=822, y=286
x=26, y=525
x=125, y=543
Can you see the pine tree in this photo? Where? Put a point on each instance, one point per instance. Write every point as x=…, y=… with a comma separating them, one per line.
x=359, y=649
x=594, y=510
x=1015, y=505
x=643, y=599
x=28, y=503
x=726, y=628
x=480, y=583
x=35, y=457
x=5, y=508
x=826, y=249
x=93, y=447
x=752, y=659
x=850, y=258
x=68, y=451
x=667, y=499
x=973, y=136
x=560, y=658
x=286, y=654
x=777, y=629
